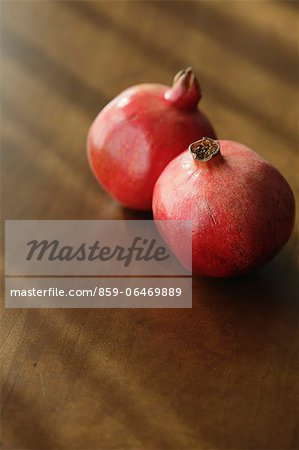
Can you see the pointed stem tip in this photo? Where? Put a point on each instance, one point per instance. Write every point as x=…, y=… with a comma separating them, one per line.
x=185, y=92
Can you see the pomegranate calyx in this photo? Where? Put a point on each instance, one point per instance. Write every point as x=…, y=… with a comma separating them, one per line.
x=204, y=149
x=186, y=75
x=185, y=92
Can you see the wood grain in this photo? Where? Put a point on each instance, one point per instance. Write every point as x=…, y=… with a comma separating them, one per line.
x=219, y=376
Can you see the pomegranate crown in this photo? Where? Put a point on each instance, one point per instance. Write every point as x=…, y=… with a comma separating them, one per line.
x=204, y=149
x=185, y=92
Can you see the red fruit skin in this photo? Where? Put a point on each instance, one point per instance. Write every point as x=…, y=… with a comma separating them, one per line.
x=137, y=134
x=241, y=207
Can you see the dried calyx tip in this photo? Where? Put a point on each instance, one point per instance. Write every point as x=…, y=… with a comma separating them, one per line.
x=204, y=149
x=185, y=75
x=185, y=92
x=187, y=71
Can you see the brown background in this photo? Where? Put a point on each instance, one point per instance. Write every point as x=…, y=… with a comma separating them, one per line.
x=219, y=376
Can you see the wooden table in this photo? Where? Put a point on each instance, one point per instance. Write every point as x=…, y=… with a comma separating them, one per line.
x=219, y=376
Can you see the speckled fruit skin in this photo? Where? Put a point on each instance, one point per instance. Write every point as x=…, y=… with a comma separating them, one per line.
x=241, y=207
x=136, y=135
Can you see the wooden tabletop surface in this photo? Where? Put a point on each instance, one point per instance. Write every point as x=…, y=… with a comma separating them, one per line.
x=219, y=376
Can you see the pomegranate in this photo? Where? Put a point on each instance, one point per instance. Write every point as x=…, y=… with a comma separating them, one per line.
x=242, y=209
x=136, y=135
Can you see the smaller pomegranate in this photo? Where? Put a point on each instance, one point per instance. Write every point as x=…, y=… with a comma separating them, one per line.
x=136, y=135
x=241, y=207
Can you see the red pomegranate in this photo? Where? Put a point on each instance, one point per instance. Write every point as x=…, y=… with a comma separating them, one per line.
x=241, y=207
x=136, y=135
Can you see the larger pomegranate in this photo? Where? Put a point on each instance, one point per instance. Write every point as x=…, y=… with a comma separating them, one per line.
x=241, y=207
x=136, y=135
